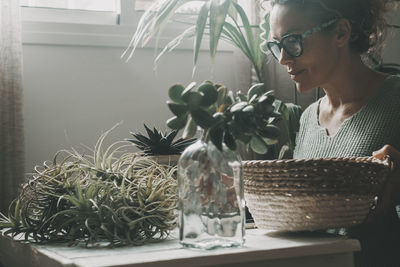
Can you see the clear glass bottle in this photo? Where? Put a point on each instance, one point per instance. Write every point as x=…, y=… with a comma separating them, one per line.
x=211, y=198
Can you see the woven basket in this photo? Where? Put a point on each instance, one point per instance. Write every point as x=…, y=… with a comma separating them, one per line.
x=312, y=194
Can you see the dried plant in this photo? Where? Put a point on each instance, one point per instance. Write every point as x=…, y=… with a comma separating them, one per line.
x=112, y=195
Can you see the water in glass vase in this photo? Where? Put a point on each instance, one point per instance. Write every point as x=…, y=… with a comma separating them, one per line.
x=211, y=202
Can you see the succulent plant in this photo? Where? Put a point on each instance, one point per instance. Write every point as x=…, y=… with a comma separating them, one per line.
x=160, y=143
x=249, y=118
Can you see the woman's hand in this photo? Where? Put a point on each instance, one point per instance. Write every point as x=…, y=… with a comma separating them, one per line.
x=390, y=196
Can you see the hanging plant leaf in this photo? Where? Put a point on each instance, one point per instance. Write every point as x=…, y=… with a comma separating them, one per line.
x=218, y=12
x=200, y=26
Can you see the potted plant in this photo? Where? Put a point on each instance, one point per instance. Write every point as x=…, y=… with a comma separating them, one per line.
x=210, y=181
x=224, y=19
x=160, y=146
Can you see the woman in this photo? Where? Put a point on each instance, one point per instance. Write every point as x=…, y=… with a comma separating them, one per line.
x=321, y=42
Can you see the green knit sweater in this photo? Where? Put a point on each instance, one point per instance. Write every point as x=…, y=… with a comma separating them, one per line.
x=373, y=126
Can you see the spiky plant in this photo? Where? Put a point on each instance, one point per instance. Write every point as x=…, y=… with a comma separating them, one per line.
x=159, y=143
x=113, y=195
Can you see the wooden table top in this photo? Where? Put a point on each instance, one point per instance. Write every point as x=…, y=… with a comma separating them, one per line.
x=260, y=245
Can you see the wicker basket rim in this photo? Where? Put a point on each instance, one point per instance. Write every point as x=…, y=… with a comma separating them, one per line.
x=278, y=162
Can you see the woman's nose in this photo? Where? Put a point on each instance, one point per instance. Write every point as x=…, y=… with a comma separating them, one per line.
x=284, y=58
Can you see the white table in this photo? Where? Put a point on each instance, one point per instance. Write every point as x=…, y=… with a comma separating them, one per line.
x=262, y=248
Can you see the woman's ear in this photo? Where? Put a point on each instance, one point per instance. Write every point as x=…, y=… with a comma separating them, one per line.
x=343, y=32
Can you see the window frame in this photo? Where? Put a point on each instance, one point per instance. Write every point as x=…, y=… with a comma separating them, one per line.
x=47, y=26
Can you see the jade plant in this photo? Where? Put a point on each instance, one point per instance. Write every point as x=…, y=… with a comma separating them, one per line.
x=225, y=117
x=160, y=143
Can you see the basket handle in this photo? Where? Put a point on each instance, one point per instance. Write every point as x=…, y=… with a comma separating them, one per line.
x=387, y=160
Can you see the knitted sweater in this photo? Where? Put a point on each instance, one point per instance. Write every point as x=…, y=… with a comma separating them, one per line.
x=374, y=125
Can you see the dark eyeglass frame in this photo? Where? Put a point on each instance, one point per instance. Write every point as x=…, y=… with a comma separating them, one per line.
x=299, y=37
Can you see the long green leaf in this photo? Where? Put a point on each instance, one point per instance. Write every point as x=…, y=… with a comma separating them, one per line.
x=200, y=26
x=236, y=35
x=247, y=27
x=188, y=33
x=218, y=12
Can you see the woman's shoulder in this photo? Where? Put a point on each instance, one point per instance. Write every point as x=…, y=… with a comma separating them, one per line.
x=311, y=110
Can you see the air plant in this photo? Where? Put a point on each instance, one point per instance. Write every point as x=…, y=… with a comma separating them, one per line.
x=113, y=195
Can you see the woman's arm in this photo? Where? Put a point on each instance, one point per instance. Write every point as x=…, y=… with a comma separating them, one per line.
x=390, y=196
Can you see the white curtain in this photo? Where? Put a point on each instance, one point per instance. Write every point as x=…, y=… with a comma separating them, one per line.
x=11, y=121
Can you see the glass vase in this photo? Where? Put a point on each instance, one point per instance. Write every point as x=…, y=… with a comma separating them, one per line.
x=211, y=198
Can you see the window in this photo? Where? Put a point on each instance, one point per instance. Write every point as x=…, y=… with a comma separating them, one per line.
x=94, y=5
x=188, y=8
x=104, y=12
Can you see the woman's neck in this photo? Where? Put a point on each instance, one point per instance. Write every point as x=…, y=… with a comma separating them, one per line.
x=352, y=83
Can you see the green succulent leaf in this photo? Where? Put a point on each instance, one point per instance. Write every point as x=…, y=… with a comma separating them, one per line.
x=210, y=94
x=193, y=99
x=176, y=122
x=248, y=109
x=203, y=118
x=174, y=93
x=229, y=141
x=269, y=131
x=190, y=129
x=216, y=136
x=238, y=107
x=242, y=97
x=177, y=109
x=222, y=92
x=270, y=141
x=186, y=92
x=256, y=89
x=258, y=145
x=219, y=117
x=266, y=99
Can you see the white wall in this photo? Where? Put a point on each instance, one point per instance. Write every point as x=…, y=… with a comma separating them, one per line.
x=76, y=85
x=73, y=93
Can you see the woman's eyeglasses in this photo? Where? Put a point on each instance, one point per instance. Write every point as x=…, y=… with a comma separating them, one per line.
x=293, y=43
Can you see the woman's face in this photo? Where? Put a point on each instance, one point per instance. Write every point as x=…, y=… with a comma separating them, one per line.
x=320, y=54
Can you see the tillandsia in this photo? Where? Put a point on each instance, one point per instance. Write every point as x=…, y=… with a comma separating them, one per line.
x=160, y=143
x=226, y=118
x=112, y=196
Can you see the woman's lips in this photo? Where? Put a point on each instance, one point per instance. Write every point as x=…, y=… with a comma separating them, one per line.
x=295, y=74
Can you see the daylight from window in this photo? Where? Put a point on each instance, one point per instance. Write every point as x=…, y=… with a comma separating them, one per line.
x=94, y=5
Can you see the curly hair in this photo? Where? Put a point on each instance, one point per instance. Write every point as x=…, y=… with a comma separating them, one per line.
x=366, y=18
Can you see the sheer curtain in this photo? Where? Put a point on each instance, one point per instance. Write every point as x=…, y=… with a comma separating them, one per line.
x=11, y=120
